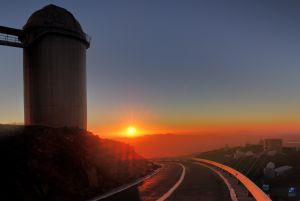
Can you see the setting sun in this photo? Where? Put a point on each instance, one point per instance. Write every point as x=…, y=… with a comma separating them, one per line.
x=131, y=131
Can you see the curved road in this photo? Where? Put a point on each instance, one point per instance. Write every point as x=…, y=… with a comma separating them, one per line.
x=199, y=183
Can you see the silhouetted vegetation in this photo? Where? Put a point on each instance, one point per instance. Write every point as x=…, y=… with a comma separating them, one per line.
x=41, y=163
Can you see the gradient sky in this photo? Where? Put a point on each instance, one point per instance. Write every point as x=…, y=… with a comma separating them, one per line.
x=177, y=66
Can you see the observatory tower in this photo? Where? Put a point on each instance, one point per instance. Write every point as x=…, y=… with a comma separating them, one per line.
x=54, y=47
x=54, y=69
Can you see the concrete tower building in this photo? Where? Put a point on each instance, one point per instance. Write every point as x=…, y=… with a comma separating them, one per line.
x=54, y=69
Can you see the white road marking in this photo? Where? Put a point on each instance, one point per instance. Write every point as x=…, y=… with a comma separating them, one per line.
x=231, y=190
x=169, y=193
x=122, y=188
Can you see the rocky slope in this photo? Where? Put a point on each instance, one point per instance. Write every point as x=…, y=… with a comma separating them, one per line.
x=41, y=163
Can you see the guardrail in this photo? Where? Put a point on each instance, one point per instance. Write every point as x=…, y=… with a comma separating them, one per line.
x=124, y=187
x=252, y=188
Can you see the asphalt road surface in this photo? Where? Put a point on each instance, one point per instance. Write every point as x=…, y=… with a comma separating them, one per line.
x=199, y=183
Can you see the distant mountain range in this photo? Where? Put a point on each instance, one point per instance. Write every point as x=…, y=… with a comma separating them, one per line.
x=170, y=145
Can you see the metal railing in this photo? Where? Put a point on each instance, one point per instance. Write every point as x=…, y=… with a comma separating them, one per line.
x=251, y=187
x=10, y=40
x=10, y=36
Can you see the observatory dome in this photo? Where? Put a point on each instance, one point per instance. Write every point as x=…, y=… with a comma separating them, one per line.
x=270, y=165
x=52, y=18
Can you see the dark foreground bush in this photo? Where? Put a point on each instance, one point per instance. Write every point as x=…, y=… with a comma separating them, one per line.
x=41, y=163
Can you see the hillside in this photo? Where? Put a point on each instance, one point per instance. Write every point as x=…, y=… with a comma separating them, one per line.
x=254, y=164
x=41, y=163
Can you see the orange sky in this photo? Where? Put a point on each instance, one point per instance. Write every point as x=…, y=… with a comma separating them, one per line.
x=278, y=116
x=142, y=129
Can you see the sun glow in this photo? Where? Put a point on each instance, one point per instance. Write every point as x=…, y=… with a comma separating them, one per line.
x=131, y=131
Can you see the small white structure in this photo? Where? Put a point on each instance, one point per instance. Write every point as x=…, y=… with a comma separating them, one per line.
x=238, y=154
x=249, y=153
x=282, y=170
x=270, y=165
x=272, y=153
x=269, y=170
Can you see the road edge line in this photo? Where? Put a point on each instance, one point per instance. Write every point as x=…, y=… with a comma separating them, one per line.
x=231, y=190
x=171, y=190
x=126, y=186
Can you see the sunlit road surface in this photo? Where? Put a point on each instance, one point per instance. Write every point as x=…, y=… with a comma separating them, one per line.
x=199, y=183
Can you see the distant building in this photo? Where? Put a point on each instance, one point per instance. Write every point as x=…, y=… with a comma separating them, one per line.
x=271, y=153
x=272, y=144
x=270, y=171
x=238, y=154
x=249, y=153
x=282, y=170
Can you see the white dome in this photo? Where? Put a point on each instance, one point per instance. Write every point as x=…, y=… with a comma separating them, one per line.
x=270, y=165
